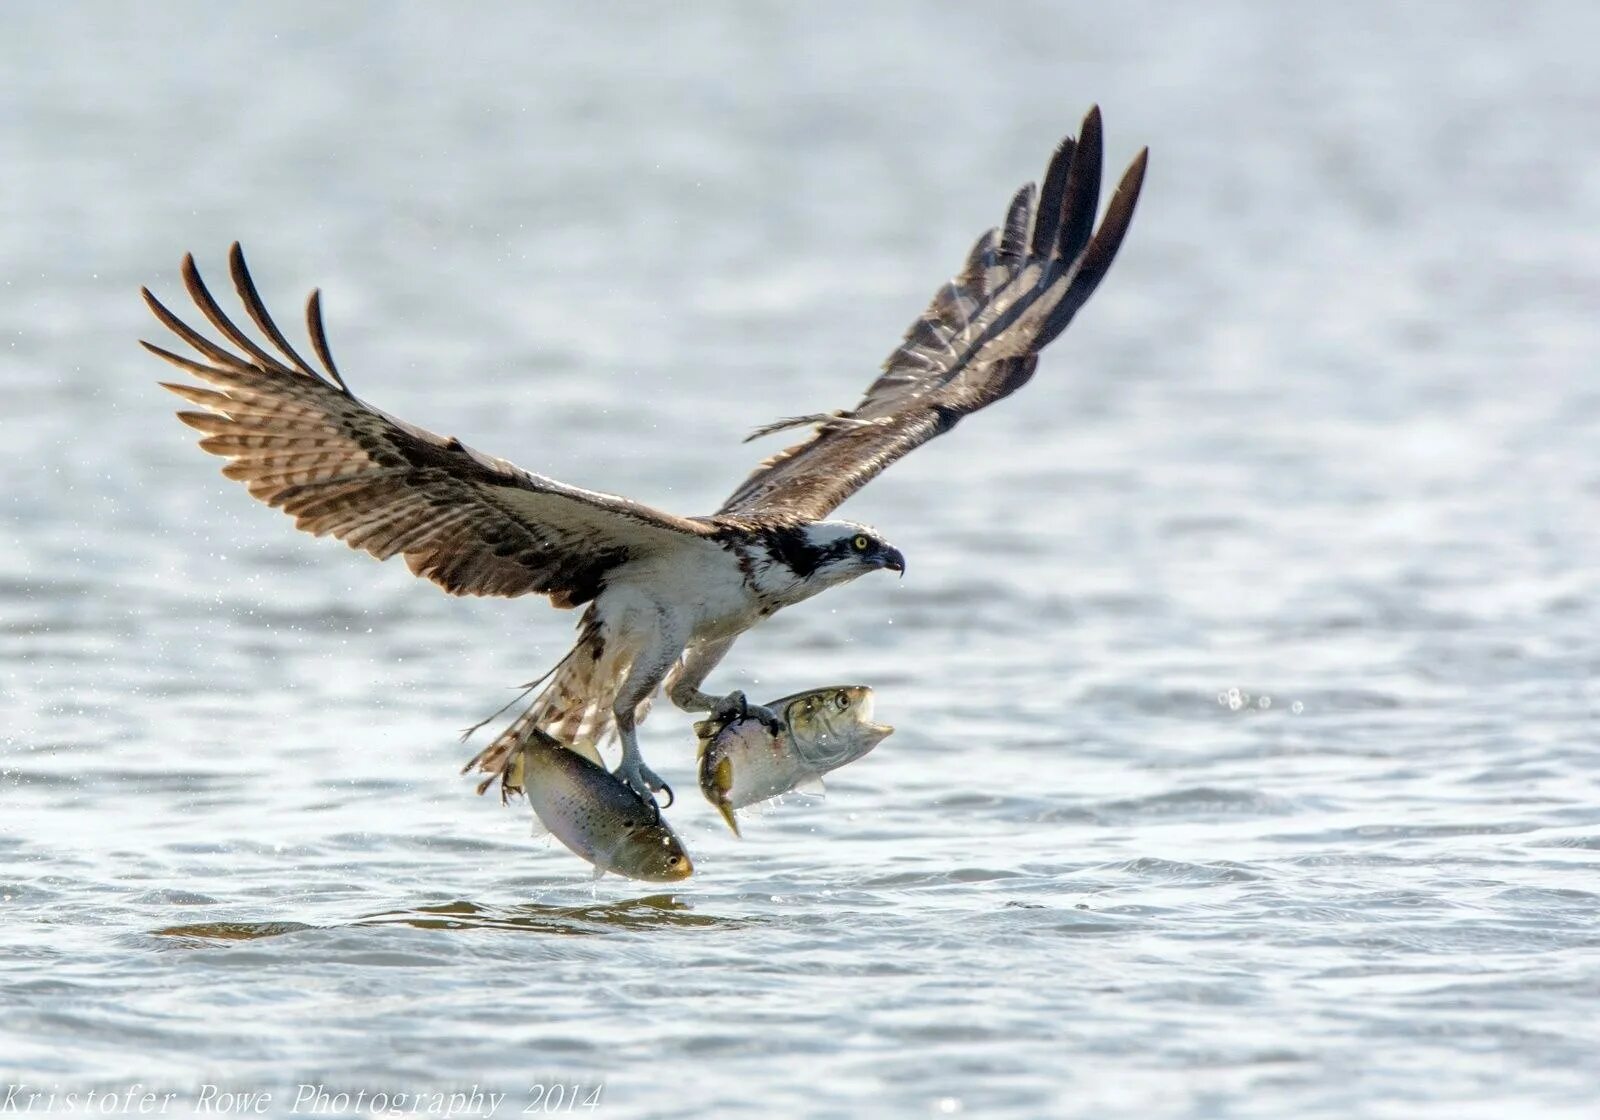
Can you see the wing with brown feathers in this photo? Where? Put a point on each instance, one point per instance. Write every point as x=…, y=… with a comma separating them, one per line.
x=978, y=341
x=474, y=524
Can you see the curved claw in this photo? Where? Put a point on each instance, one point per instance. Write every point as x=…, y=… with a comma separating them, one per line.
x=769, y=718
x=644, y=782
x=731, y=707
x=734, y=707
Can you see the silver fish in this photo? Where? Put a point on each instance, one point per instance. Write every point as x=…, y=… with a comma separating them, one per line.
x=594, y=813
x=742, y=762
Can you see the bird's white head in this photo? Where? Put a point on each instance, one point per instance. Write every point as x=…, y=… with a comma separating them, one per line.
x=839, y=551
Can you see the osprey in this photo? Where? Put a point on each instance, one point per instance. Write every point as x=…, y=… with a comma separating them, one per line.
x=666, y=596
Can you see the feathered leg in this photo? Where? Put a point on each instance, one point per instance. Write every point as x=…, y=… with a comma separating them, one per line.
x=683, y=684
x=645, y=675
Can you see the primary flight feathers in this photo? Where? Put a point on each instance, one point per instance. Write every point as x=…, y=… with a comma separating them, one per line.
x=978, y=341
x=476, y=525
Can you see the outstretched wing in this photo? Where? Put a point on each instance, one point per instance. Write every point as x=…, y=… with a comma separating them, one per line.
x=474, y=524
x=978, y=341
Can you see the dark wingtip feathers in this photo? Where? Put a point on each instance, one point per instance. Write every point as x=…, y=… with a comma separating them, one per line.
x=250, y=298
x=1134, y=176
x=1095, y=260
x=208, y=306
x=1047, y=213
x=196, y=341
x=245, y=286
x=1102, y=250
x=1019, y=225
x=977, y=342
x=1082, y=196
x=319, y=338
x=1091, y=121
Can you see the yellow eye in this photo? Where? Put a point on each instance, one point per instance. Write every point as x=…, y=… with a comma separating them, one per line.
x=860, y=544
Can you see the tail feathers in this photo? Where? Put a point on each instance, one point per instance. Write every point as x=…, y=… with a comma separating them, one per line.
x=574, y=709
x=502, y=759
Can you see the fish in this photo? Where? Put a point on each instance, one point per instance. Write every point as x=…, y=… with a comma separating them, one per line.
x=597, y=815
x=741, y=762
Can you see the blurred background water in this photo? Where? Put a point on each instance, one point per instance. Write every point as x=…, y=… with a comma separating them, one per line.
x=1245, y=669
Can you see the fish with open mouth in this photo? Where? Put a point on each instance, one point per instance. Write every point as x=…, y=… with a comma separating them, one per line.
x=597, y=816
x=743, y=761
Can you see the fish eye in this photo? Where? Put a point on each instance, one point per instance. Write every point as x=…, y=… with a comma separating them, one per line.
x=674, y=861
x=861, y=543
x=842, y=699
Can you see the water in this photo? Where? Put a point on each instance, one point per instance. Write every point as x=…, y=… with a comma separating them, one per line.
x=1325, y=437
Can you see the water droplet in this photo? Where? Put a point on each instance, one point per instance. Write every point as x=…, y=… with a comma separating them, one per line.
x=1297, y=707
x=1264, y=703
x=949, y=1106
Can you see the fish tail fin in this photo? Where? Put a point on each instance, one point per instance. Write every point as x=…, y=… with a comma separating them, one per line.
x=722, y=782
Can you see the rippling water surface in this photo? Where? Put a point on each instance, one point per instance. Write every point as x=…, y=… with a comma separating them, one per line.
x=1245, y=668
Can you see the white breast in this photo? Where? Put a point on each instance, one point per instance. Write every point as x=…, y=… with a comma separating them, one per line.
x=701, y=588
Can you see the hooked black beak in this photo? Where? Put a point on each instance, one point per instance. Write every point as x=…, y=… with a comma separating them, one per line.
x=893, y=560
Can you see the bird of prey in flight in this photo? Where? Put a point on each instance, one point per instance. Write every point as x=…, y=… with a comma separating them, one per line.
x=665, y=596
